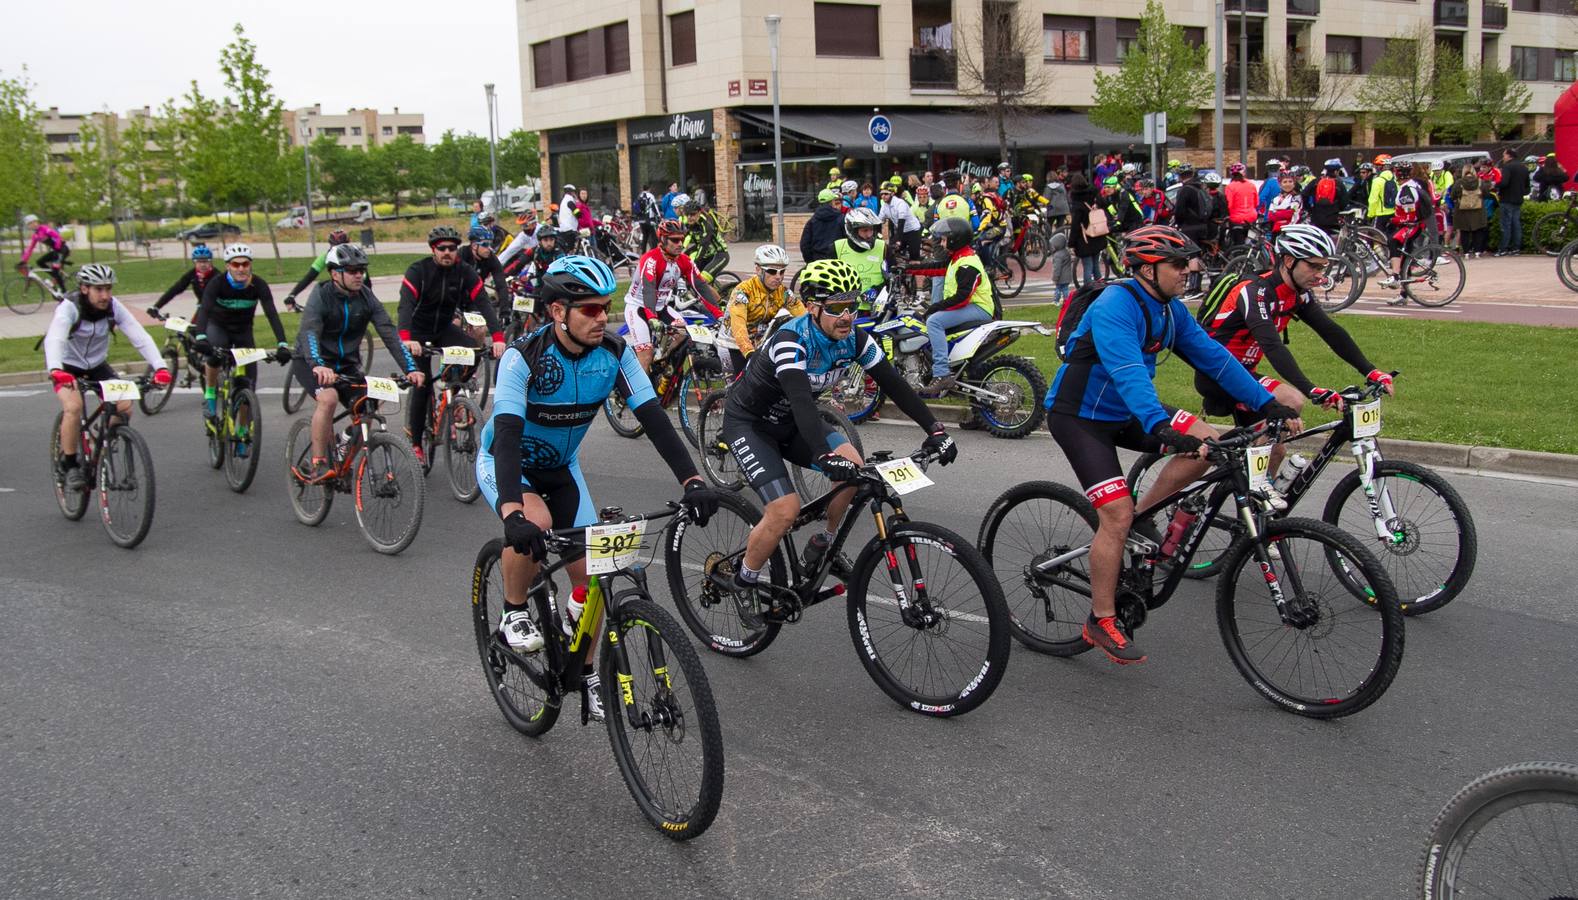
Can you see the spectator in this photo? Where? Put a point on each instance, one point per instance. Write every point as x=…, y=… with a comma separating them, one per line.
x=666, y=204
x=825, y=226
x=1489, y=178
x=1271, y=187
x=1550, y=179
x=1062, y=266
x=1469, y=197
x=1509, y=194
x=1057, y=199
x=647, y=214
x=1286, y=208
x=901, y=227
x=868, y=199
x=1083, y=204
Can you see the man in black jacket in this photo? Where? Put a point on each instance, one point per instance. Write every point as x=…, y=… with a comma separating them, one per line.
x=1514, y=187
x=1192, y=214
x=825, y=227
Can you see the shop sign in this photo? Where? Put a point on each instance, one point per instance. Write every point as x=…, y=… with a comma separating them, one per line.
x=734, y=88
x=669, y=129
x=758, y=87
x=758, y=185
x=976, y=170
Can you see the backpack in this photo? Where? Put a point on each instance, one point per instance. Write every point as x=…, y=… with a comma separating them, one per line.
x=1471, y=199
x=1212, y=304
x=1075, y=307
x=1326, y=192
x=1389, y=193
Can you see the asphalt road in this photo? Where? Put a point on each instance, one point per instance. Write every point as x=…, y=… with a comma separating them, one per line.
x=246, y=706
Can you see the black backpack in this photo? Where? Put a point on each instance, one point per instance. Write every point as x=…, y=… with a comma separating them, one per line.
x=1216, y=296
x=1075, y=307
x=1388, y=193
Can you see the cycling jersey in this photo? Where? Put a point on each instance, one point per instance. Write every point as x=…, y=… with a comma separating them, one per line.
x=313, y=271
x=333, y=324
x=228, y=309
x=431, y=295
x=703, y=237
x=1253, y=317
x=47, y=236
x=1243, y=202
x=489, y=267
x=665, y=274
x=798, y=346
x=79, y=337
x=752, y=306
x=193, y=279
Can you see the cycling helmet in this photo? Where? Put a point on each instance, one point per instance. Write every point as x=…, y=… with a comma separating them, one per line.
x=1273, y=163
x=1333, y=164
x=442, y=233
x=573, y=278
x=896, y=181
x=1174, y=163
x=1366, y=167
x=681, y=200
x=1184, y=170
x=954, y=233
x=951, y=177
x=201, y=251
x=480, y=235
x=826, y=195
x=671, y=228
x=1531, y=160
x=1382, y=159
x=345, y=256
x=546, y=230
x=834, y=172
x=29, y=219
x=569, y=189
x=1154, y=243
x=1129, y=168
x=1004, y=166
x=976, y=188
x=1300, y=170
x=849, y=186
x=1305, y=242
x=825, y=279
x=1145, y=181
x=338, y=237
x=1211, y=178
x=95, y=273
x=237, y=251
x=1236, y=169
x=858, y=218
x=692, y=206
x=771, y=255
x=1110, y=181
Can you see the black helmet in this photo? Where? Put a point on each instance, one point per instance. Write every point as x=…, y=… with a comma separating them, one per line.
x=952, y=177
x=442, y=233
x=954, y=232
x=345, y=256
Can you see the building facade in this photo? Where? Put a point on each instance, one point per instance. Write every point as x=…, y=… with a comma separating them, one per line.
x=360, y=128
x=645, y=93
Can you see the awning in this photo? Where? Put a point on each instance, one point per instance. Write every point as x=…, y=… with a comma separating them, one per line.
x=945, y=131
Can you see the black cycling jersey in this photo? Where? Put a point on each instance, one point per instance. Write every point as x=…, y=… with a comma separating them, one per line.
x=191, y=279
x=228, y=308
x=333, y=324
x=431, y=295
x=486, y=268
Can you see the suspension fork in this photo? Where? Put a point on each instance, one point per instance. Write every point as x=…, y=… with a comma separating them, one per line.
x=1382, y=511
x=896, y=577
x=1265, y=555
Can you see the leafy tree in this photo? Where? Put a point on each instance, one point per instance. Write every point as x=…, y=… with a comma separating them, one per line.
x=94, y=186
x=1491, y=103
x=1163, y=73
x=399, y=165
x=206, y=165
x=1415, y=85
x=23, y=150
x=1004, y=77
x=519, y=158
x=254, y=133
x=461, y=165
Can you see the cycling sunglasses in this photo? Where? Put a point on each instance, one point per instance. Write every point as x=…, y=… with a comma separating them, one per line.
x=771, y=271
x=355, y=270
x=670, y=239
x=590, y=310
x=447, y=248
x=839, y=308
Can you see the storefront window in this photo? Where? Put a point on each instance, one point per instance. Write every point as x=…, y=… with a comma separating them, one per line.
x=595, y=170
x=656, y=167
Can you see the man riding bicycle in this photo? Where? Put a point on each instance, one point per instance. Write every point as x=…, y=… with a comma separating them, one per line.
x=224, y=320
x=551, y=384
x=336, y=237
x=479, y=255
x=755, y=302
x=329, y=345
x=704, y=241
x=1103, y=398
x=770, y=417
x=196, y=278
x=658, y=274
x=77, y=345
x=57, y=253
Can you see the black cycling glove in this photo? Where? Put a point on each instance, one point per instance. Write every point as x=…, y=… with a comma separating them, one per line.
x=939, y=442
x=837, y=468
x=1175, y=441
x=524, y=536
x=700, y=501
x=1275, y=410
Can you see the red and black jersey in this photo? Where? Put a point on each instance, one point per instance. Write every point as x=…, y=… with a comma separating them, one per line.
x=1254, y=318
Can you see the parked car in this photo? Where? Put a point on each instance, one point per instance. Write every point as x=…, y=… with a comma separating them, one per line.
x=208, y=231
x=1454, y=160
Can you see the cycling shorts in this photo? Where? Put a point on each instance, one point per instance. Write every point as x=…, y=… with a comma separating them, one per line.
x=761, y=449
x=1092, y=449
x=1219, y=403
x=637, y=318
x=223, y=339
x=563, y=490
x=101, y=372
x=301, y=370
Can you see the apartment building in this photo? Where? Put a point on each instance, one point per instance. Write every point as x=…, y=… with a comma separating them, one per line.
x=360, y=128
x=636, y=93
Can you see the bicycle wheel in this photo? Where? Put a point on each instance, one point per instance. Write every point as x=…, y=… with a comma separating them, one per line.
x=368, y=347
x=245, y=442
x=390, y=491
x=28, y=298
x=717, y=461
x=1567, y=265
x=1345, y=281
x=73, y=504
x=620, y=416
x=154, y=398
x=462, y=431
x=293, y=394
x=1033, y=255
x=810, y=483
x=1434, y=545
x=310, y=502
x=1009, y=276
x=126, y=488
x=944, y=654
x=1346, y=650
x=217, y=446
x=1552, y=232
x=662, y=721
x=1509, y=832
x=484, y=379
x=1433, y=276
x=520, y=683
x=692, y=553
x=1031, y=522
x=1207, y=561
x=692, y=391
x=1023, y=388
x=857, y=394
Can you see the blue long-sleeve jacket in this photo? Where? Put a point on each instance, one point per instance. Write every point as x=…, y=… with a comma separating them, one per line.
x=1268, y=189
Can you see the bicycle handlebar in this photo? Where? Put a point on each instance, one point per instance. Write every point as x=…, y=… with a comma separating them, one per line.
x=1358, y=394
x=561, y=540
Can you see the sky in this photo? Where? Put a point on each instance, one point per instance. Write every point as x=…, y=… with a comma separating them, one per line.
x=405, y=53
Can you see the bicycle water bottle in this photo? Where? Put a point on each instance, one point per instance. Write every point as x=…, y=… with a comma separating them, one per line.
x=1296, y=463
x=573, y=609
x=1182, y=521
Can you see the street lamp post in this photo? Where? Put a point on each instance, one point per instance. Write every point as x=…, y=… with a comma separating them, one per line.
x=773, y=22
x=1221, y=81
x=306, y=157
x=493, y=156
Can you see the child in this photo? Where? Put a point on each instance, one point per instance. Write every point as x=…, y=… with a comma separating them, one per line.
x=1062, y=266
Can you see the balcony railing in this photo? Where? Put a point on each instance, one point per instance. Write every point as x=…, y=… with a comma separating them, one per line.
x=1496, y=16
x=933, y=69
x=1451, y=13
x=1256, y=75
x=1308, y=8
x=1254, y=6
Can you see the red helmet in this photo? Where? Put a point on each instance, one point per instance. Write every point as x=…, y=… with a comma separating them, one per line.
x=671, y=228
x=338, y=237
x=1154, y=243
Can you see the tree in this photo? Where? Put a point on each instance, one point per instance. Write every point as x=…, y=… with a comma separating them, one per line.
x=254, y=133
x=460, y=164
x=1491, y=103
x=23, y=150
x=399, y=165
x=1414, y=86
x=996, y=78
x=1298, y=98
x=95, y=188
x=205, y=159
x=1162, y=73
x=519, y=158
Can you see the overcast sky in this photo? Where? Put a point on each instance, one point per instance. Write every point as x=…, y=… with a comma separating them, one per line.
x=423, y=56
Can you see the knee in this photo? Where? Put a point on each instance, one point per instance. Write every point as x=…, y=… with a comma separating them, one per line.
x=70, y=402
x=1116, y=516
x=326, y=400
x=781, y=513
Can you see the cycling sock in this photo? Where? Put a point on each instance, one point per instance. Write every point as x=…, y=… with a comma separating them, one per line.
x=68, y=461
x=513, y=607
x=208, y=393
x=748, y=574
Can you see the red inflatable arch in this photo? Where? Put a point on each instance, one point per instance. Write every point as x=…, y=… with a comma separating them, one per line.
x=1567, y=132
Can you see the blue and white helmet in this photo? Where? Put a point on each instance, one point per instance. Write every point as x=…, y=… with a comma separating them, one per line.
x=573, y=278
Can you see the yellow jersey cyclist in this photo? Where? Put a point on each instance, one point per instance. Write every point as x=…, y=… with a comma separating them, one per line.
x=754, y=303
x=336, y=237
x=77, y=345
x=552, y=383
x=770, y=418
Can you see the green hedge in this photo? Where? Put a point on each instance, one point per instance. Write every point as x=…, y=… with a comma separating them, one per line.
x=1532, y=211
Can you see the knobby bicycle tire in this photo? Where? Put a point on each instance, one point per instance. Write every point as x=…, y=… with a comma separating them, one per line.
x=692, y=552
x=1009, y=542
x=462, y=437
x=512, y=679
x=621, y=417
x=1527, y=812
x=717, y=461
x=809, y=483
x=241, y=456
x=309, y=502
x=1429, y=267
x=1567, y=265
x=154, y=398
x=378, y=478
x=129, y=473
x=292, y=395
x=73, y=504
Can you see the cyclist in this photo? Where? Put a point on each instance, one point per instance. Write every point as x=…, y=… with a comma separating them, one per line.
x=704, y=240
x=224, y=320
x=1192, y=212
x=966, y=298
x=77, y=345
x=1242, y=204
x=901, y=228
x=1254, y=316
x=336, y=237
x=479, y=255
x=1103, y=398
x=532, y=264
x=329, y=345
x=1323, y=198
x=551, y=384
x=56, y=255
x=432, y=293
x=770, y=416
x=1413, y=222
x=1383, y=194
x=1271, y=186
x=658, y=274
x=196, y=278
x=1285, y=208
x=863, y=250
x=755, y=302
x=953, y=205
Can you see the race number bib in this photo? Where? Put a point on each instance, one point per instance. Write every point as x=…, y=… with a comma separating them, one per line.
x=176, y=323
x=701, y=334
x=246, y=356
x=459, y=356
x=475, y=320
x=1367, y=419
x=114, y=391
x=612, y=547
x=903, y=475
x=1257, y=460
x=521, y=304
x=383, y=389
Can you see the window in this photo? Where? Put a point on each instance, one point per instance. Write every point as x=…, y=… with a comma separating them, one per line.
x=388, y=130
x=1066, y=38
x=1128, y=36
x=847, y=29
x=616, y=48
x=1526, y=63
x=1566, y=70
x=682, y=38
x=410, y=129
x=356, y=130
x=1342, y=54
x=332, y=132
x=1193, y=36
x=585, y=54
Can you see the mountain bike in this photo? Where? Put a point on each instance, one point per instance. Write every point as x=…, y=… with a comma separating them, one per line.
x=235, y=430
x=1412, y=519
x=294, y=394
x=925, y=613
x=1567, y=265
x=1032, y=241
x=35, y=290
x=1308, y=615
x=1555, y=230
x=1510, y=832
x=723, y=470
x=454, y=421
x=179, y=345
x=114, y=458
x=1006, y=269
x=1361, y=251
x=1432, y=275
x=685, y=369
x=661, y=719
x=375, y=466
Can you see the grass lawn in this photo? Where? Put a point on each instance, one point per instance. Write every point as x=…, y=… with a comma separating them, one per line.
x=136, y=275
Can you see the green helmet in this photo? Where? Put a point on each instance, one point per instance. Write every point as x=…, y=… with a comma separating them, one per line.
x=826, y=195
x=1112, y=181
x=827, y=278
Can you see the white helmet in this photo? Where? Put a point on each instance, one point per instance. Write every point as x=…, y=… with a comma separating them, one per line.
x=1211, y=178
x=237, y=251
x=680, y=200
x=29, y=219
x=771, y=255
x=1305, y=242
x=849, y=187
x=1129, y=168
x=855, y=219
x=569, y=189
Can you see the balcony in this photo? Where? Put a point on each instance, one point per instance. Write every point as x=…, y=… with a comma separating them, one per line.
x=1307, y=8
x=1249, y=6
x=1257, y=79
x=1495, y=17
x=1452, y=14
x=933, y=70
